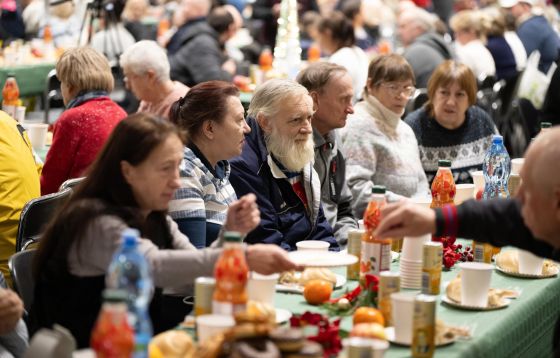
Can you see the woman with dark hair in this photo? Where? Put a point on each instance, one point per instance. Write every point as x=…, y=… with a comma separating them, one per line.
x=129, y=185
x=381, y=149
x=336, y=38
x=450, y=125
x=213, y=118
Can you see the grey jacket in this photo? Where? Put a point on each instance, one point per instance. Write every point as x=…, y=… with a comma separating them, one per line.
x=425, y=54
x=336, y=197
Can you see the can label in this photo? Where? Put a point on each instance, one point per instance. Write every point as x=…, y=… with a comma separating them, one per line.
x=389, y=283
x=376, y=257
x=203, y=292
x=431, y=268
x=424, y=327
x=354, y=248
x=482, y=252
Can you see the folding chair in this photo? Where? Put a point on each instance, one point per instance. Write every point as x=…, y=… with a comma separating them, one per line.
x=20, y=265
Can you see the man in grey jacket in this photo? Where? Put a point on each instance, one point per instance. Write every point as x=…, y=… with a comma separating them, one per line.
x=424, y=48
x=330, y=87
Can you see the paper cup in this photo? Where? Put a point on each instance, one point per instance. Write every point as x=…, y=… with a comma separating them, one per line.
x=313, y=245
x=11, y=110
x=20, y=114
x=209, y=325
x=516, y=165
x=529, y=264
x=261, y=288
x=464, y=193
x=403, y=310
x=478, y=180
x=358, y=347
x=37, y=133
x=412, y=247
x=475, y=283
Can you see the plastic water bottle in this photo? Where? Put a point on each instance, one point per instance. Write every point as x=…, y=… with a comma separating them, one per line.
x=496, y=168
x=130, y=271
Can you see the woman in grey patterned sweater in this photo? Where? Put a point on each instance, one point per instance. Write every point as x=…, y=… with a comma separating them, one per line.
x=379, y=148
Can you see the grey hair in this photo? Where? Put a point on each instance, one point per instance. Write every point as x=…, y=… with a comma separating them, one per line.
x=146, y=55
x=271, y=95
x=420, y=17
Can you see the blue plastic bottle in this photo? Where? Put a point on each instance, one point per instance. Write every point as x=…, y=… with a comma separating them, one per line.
x=130, y=271
x=496, y=168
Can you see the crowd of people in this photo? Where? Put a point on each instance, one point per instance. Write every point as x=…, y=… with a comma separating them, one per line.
x=300, y=164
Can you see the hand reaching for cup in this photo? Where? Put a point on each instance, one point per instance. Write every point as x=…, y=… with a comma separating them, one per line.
x=405, y=218
x=243, y=215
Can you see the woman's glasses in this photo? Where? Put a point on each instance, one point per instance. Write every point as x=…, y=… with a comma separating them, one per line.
x=396, y=90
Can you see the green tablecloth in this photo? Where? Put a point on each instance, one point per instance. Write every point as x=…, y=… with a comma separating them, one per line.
x=524, y=329
x=31, y=79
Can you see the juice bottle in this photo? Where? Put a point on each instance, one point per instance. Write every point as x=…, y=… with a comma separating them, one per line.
x=265, y=60
x=313, y=53
x=10, y=92
x=163, y=27
x=443, y=188
x=47, y=34
x=376, y=253
x=231, y=273
x=112, y=335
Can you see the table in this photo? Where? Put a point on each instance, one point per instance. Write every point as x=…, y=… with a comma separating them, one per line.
x=31, y=78
x=524, y=329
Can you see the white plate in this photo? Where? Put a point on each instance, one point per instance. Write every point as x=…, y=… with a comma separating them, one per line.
x=390, y=333
x=452, y=303
x=322, y=258
x=282, y=315
x=553, y=273
x=297, y=288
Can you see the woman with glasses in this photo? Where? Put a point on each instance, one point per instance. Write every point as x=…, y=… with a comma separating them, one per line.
x=380, y=148
x=449, y=125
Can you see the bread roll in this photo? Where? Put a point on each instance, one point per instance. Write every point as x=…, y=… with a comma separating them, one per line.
x=172, y=344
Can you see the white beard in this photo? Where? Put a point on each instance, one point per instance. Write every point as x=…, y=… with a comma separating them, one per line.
x=294, y=155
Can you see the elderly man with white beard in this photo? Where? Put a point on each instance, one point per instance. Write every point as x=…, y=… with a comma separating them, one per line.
x=277, y=166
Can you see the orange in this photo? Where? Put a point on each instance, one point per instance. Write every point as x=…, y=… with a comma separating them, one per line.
x=368, y=315
x=317, y=291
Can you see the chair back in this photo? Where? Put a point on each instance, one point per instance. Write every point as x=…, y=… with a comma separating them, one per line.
x=20, y=265
x=71, y=183
x=35, y=214
x=419, y=97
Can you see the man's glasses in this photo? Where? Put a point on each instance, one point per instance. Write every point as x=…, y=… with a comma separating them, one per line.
x=396, y=90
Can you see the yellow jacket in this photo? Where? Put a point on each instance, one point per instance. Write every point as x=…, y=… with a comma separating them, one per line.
x=19, y=183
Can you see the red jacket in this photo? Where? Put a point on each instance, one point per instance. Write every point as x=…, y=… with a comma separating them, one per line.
x=78, y=135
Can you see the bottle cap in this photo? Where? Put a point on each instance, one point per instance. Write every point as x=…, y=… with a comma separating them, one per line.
x=232, y=236
x=11, y=74
x=444, y=163
x=378, y=189
x=130, y=237
x=546, y=124
x=496, y=138
x=114, y=295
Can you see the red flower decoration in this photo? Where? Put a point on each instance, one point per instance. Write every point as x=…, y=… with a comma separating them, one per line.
x=328, y=334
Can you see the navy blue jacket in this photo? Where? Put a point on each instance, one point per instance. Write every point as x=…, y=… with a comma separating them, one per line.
x=285, y=220
x=537, y=34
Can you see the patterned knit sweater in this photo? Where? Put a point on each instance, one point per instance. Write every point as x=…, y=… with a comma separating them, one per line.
x=464, y=146
x=380, y=149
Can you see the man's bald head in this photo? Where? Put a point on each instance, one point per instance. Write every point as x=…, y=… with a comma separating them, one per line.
x=540, y=188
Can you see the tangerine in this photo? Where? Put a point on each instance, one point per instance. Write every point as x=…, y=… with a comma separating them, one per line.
x=317, y=291
x=368, y=315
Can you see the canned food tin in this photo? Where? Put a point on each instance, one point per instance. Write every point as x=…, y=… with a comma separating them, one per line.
x=424, y=326
x=389, y=282
x=432, y=256
x=203, y=292
x=482, y=252
x=354, y=248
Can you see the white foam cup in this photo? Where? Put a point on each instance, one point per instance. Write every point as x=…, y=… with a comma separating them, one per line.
x=313, y=245
x=402, y=311
x=464, y=193
x=516, y=165
x=209, y=325
x=475, y=283
x=478, y=180
x=20, y=114
x=261, y=288
x=37, y=133
x=413, y=247
x=529, y=263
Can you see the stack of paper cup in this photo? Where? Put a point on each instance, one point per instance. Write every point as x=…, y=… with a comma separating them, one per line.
x=478, y=180
x=411, y=261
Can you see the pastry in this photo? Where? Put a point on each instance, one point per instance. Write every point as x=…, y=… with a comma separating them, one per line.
x=288, y=339
x=309, y=350
x=261, y=312
x=368, y=330
x=289, y=278
x=261, y=348
x=317, y=274
x=172, y=344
